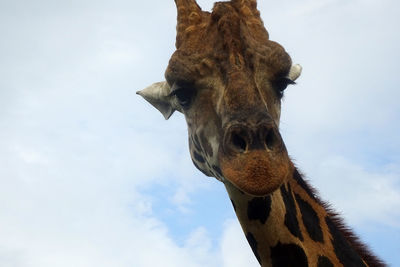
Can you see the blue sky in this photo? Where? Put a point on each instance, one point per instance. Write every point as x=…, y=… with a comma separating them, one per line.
x=91, y=175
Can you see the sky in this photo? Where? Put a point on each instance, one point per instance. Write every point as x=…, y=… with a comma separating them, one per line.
x=92, y=175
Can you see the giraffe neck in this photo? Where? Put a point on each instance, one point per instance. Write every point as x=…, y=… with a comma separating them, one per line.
x=292, y=227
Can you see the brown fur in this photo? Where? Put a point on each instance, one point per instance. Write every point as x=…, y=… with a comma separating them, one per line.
x=250, y=172
x=273, y=231
x=228, y=69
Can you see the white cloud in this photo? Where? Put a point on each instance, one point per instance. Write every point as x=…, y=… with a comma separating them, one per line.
x=235, y=250
x=200, y=246
x=338, y=122
x=77, y=146
x=75, y=216
x=362, y=196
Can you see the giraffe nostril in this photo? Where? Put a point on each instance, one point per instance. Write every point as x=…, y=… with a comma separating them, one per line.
x=270, y=139
x=239, y=142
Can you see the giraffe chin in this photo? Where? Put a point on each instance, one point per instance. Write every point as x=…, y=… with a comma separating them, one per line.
x=256, y=173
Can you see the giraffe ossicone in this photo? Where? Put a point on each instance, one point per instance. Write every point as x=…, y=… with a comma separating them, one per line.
x=227, y=78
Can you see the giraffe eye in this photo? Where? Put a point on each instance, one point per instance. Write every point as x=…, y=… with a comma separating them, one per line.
x=281, y=84
x=184, y=96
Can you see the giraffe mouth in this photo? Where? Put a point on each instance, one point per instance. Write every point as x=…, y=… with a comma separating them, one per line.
x=256, y=172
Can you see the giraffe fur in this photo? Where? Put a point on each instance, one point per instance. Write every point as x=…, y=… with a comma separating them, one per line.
x=228, y=79
x=266, y=224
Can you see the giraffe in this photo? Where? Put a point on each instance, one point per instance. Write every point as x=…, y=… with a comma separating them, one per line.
x=228, y=79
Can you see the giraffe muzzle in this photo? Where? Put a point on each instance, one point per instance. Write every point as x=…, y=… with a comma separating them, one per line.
x=254, y=159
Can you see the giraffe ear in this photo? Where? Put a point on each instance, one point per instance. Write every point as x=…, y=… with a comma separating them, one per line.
x=159, y=95
x=294, y=72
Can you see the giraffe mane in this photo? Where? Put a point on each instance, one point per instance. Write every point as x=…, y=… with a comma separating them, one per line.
x=362, y=249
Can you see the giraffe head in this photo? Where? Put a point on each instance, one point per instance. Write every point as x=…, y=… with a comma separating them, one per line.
x=227, y=78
